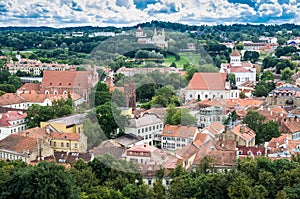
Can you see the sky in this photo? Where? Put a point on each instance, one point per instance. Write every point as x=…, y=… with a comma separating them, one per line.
x=121, y=13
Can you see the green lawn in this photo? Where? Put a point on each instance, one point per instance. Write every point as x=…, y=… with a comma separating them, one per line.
x=185, y=57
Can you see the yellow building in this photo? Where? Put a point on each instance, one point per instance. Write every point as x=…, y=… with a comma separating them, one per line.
x=68, y=142
x=69, y=124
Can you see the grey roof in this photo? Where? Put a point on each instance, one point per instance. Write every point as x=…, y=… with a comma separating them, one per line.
x=145, y=120
x=128, y=139
x=70, y=120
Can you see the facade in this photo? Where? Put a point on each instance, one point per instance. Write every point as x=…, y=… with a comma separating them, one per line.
x=291, y=127
x=243, y=71
x=12, y=122
x=148, y=126
x=204, y=86
x=176, y=136
x=208, y=115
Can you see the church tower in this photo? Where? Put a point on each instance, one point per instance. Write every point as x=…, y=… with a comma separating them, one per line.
x=235, y=58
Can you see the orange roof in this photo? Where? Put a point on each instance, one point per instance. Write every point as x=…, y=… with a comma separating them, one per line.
x=207, y=81
x=36, y=133
x=187, y=151
x=29, y=87
x=10, y=98
x=291, y=125
x=246, y=134
x=232, y=102
x=200, y=139
x=179, y=131
x=34, y=97
x=17, y=143
x=65, y=136
x=65, y=79
x=280, y=140
x=235, y=53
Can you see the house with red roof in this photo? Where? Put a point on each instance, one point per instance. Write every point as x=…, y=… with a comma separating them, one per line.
x=25, y=148
x=12, y=122
x=243, y=135
x=243, y=71
x=205, y=86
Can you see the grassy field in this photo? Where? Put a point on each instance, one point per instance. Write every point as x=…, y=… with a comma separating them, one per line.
x=185, y=57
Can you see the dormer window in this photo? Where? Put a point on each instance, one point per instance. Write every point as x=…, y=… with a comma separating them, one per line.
x=69, y=84
x=60, y=83
x=50, y=83
x=258, y=153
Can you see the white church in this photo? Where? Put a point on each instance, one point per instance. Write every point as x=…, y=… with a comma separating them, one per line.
x=205, y=86
x=243, y=71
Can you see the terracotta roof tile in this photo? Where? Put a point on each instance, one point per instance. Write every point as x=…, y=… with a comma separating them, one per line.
x=11, y=116
x=246, y=134
x=65, y=79
x=235, y=53
x=10, y=98
x=207, y=81
x=239, y=69
x=179, y=131
x=65, y=136
x=18, y=143
x=29, y=87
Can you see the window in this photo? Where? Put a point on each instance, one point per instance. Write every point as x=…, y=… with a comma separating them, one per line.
x=62, y=144
x=258, y=153
x=167, y=182
x=60, y=83
x=50, y=83
x=153, y=127
x=150, y=128
x=67, y=144
x=142, y=130
x=139, y=131
x=146, y=129
x=149, y=181
x=54, y=143
x=76, y=146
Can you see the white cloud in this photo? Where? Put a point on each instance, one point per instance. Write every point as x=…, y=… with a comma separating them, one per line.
x=113, y=12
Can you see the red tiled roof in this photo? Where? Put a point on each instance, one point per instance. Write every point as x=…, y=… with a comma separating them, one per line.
x=37, y=133
x=235, y=53
x=291, y=125
x=179, y=131
x=29, y=87
x=200, y=139
x=243, y=150
x=248, y=133
x=18, y=143
x=277, y=141
x=65, y=79
x=187, y=151
x=207, y=81
x=11, y=116
x=10, y=98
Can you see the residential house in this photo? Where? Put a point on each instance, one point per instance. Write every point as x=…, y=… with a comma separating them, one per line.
x=110, y=147
x=285, y=95
x=204, y=86
x=177, y=136
x=207, y=115
x=148, y=126
x=214, y=130
x=68, y=158
x=291, y=127
x=25, y=148
x=12, y=100
x=243, y=135
x=243, y=71
x=12, y=122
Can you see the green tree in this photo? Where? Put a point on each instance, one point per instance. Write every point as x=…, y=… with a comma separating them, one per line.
x=254, y=120
x=267, y=75
x=286, y=74
x=252, y=56
x=240, y=188
x=266, y=132
x=45, y=180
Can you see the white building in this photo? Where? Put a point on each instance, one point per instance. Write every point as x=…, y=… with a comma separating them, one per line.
x=243, y=71
x=12, y=122
x=209, y=86
x=176, y=136
x=148, y=126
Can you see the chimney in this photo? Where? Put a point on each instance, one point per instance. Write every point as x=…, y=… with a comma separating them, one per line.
x=242, y=128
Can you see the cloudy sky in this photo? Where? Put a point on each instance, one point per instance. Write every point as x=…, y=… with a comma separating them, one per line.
x=63, y=13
